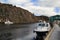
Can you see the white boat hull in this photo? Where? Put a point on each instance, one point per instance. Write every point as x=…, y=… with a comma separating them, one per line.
x=8, y=22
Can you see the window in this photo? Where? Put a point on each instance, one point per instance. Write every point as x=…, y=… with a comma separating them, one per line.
x=43, y=24
x=39, y=24
x=46, y=25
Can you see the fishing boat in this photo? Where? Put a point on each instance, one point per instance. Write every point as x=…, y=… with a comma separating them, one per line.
x=41, y=29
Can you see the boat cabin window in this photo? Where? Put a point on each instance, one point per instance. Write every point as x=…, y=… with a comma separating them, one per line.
x=41, y=24
x=46, y=25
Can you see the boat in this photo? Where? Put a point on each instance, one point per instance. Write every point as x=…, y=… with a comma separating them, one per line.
x=42, y=28
x=8, y=22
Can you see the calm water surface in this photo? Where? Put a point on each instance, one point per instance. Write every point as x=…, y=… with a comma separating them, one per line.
x=19, y=31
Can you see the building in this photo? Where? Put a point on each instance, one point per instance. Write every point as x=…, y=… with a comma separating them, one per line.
x=55, y=19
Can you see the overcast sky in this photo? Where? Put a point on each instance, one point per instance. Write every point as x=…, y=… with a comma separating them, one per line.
x=38, y=7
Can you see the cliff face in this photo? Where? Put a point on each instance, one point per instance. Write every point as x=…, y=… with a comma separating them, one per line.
x=15, y=14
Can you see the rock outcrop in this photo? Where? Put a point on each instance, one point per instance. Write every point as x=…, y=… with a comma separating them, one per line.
x=43, y=18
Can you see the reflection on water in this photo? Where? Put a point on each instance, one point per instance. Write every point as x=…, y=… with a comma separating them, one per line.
x=17, y=31
x=6, y=36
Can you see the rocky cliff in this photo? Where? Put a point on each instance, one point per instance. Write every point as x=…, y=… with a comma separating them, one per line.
x=43, y=18
x=15, y=14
